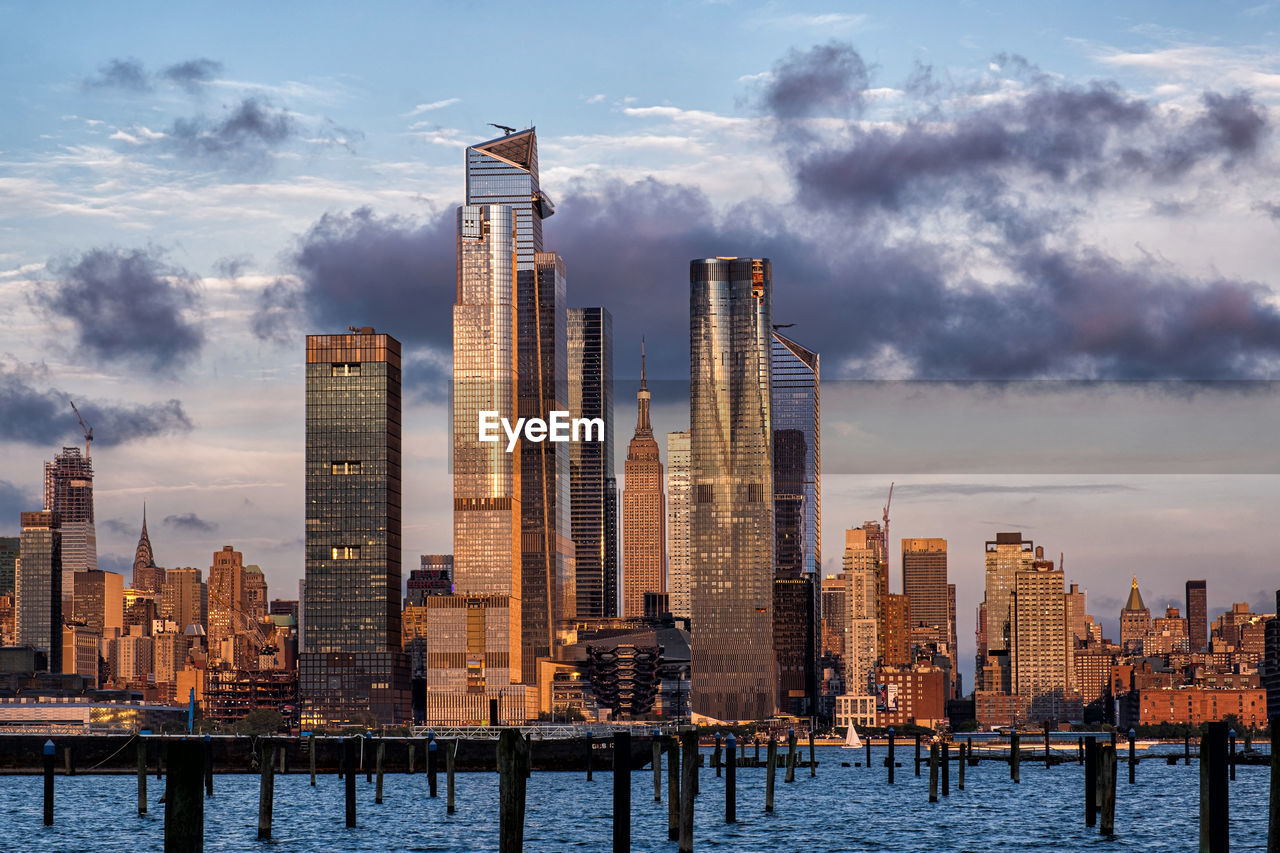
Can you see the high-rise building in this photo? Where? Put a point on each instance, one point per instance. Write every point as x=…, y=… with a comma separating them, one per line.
x=38, y=600
x=68, y=491
x=255, y=593
x=1135, y=620
x=796, y=405
x=183, y=600
x=434, y=576
x=354, y=668
x=924, y=581
x=8, y=563
x=504, y=171
x=591, y=469
x=1038, y=653
x=227, y=606
x=896, y=650
x=98, y=601
x=1197, y=615
x=644, y=513
x=1007, y=555
x=679, y=505
x=146, y=574
x=731, y=473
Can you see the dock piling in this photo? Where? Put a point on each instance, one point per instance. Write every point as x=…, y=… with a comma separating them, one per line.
x=142, y=776
x=513, y=755
x=731, y=779
x=1107, y=772
x=771, y=771
x=673, y=789
x=266, y=789
x=1090, y=781
x=689, y=775
x=49, y=755
x=349, y=777
x=183, y=799
x=933, y=772
x=381, y=756
x=449, y=756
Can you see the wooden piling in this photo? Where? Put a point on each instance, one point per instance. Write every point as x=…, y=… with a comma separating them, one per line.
x=266, y=789
x=657, y=767
x=715, y=756
x=917, y=755
x=311, y=755
x=381, y=756
x=1231, y=753
x=450, y=754
x=622, y=792
x=813, y=761
x=1214, y=803
x=1133, y=759
x=1273, y=813
x=1186, y=749
x=142, y=776
x=1107, y=772
x=730, y=779
x=791, y=755
x=1090, y=781
x=349, y=747
x=960, y=767
x=933, y=772
x=50, y=754
x=432, y=762
x=945, y=749
x=1015, y=757
x=68, y=765
x=281, y=752
x=867, y=744
x=366, y=766
x=1080, y=751
x=413, y=746
x=755, y=739
x=208, y=766
x=770, y=772
x=689, y=775
x=673, y=789
x=183, y=799
x=513, y=754
x=890, y=761
x=590, y=750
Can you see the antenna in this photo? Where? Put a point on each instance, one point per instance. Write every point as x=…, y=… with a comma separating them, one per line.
x=85, y=428
x=507, y=131
x=886, y=537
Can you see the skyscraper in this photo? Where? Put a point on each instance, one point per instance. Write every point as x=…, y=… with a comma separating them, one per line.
x=859, y=624
x=1038, y=654
x=1135, y=620
x=731, y=472
x=1006, y=555
x=227, y=605
x=184, y=598
x=8, y=564
x=591, y=469
x=1197, y=615
x=678, y=508
x=146, y=574
x=38, y=601
x=797, y=405
x=354, y=668
x=644, y=512
x=504, y=171
x=99, y=601
x=68, y=491
x=924, y=581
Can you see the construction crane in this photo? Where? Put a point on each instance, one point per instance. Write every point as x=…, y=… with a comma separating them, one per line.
x=886, y=529
x=88, y=430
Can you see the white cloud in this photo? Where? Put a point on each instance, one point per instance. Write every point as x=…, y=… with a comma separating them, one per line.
x=596, y=99
x=434, y=105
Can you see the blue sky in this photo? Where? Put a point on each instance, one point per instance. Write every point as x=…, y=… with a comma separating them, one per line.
x=948, y=190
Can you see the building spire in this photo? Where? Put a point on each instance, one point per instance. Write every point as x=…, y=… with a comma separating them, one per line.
x=143, y=556
x=642, y=385
x=642, y=399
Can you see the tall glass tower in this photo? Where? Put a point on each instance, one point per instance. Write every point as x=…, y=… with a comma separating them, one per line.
x=38, y=599
x=68, y=491
x=591, y=470
x=731, y=476
x=353, y=669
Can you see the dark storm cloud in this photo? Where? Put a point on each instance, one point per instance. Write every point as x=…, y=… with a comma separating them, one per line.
x=244, y=136
x=829, y=79
x=117, y=526
x=13, y=501
x=127, y=306
x=277, y=311
x=126, y=74
x=1271, y=209
x=191, y=522
x=191, y=74
x=43, y=416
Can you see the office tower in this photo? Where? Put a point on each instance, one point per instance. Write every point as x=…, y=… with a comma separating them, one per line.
x=590, y=337
x=644, y=512
x=835, y=612
x=1038, y=656
x=679, y=505
x=38, y=601
x=924, y=581
x=98, y=601
x=8, y=564
x=354, y=668
x=68, y=491
x=897, y=631
x=227, y=607
x=434, y=576
x=731, y=473
x=182, y=597
x=612, y=548
x=486, y=478
x=255, y=593
x=1006, y=555
x=796, y=405
x=1269, y=666
x=146, y=574
x=504, y=171
x=1197, y=615
x=862, y=638
x=1135, y=621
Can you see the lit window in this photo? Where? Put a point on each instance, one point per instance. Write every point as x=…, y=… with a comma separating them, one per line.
x=346, y=552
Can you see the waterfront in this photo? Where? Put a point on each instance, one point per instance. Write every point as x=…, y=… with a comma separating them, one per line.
x=843, y=808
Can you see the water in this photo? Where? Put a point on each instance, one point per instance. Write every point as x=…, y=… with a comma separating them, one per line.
x=844, y=808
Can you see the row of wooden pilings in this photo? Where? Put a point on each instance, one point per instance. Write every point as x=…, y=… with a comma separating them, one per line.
x=190, y=769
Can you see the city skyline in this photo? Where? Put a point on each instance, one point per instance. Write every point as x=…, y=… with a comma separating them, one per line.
x=223, y=464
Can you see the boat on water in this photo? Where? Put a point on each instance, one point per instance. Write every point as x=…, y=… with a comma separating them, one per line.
x=852, y=741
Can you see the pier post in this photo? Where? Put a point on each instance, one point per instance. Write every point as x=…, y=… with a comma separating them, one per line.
x=590, y=749
x=1186, y=749
x=266, y=789
x=1214, y=803
x=69, y=765
x=432, y=762
x=867, y=744
x=889, y=762
x=449, y=756
x=1273, y=814
x=142, y=776
x=689, y=774
x=973, y=762
x=368, y=768
x=791, y=755
x=917, y=755
x=311, y=755
x=945, y=749
x=208, y=765
x=49, y=755
x=771, y=771
x=622, y=792
x=657, y=766
x=756, y=740
x=1090, y=781
x=349, y=747
x=381, y=756
x=413, y=746
x=1080, y=750
x=960, y=767
x=813, y=760
x=183, y=799
x=933, y=772
x=715, y=756
x=1107, y=771
x=1231, y=755
x=731, y=779
x=513, y=755
x=1015, y=757
x=1046, y=745
x=673, y=789
x=1133, y=757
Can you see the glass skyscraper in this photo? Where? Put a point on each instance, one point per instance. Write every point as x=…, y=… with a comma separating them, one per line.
x=353, y=670
x=678, y=505
x=591, y=469
x=68, y=491
x=38, y=601
x=731, y=477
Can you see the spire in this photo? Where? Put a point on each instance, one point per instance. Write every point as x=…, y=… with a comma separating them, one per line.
x=1135, y=598
x=642, y=400
x=143, y=557
x=642, y=385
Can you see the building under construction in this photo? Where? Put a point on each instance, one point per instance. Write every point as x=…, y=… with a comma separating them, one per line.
x=68, y=491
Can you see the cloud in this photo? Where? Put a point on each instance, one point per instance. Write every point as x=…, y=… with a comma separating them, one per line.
x=43, y=417
x=15, y=500
x=118, y=527
x=434, y=105
x=126, y=74
x=191, y=522
x=193, y=73
x=940, y=490
x=278, y=305
x=127, y=306
x=244, y=136
x=829, y=79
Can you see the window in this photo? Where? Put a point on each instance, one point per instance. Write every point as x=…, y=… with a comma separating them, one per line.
x=348, y=369
x=346, y=468
x=346, y=552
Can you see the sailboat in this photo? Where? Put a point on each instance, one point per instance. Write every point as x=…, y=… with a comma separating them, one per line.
x=852, y=741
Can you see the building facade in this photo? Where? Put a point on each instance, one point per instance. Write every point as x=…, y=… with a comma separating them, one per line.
x=146, y=574
x=1135, y=621
x=591, y=466
x=68, y=491
x=1197, y=615
x=38, y=599
x=924, y=581
x=1039, y=651
x=354, y=669
x=679, y=504
x=731, y=472
x=644, y=513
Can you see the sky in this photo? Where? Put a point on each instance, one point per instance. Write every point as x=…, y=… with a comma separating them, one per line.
x=1036, y=248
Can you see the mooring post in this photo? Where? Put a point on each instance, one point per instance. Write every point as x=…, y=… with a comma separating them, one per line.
x=791, y=756
x=1273, y=813
x=1015, y=757
x=1046, y=744
x=673, y=789
x=311, y=755
x=366, y=767
x=933, y=772
x=963, y=759
x=867, y=745
x=715, y=756
x=1214, y=803
x=432, y=762
x=770, y=772
x=450, y=755
x=208, y=765
x=49, y=755
x=917, y=754
x=689, y=775
x=513, y=755
x=889, y=761
x=1186, y=749
x=381, y=756
x=266, y=789
x=1107, y=769
x=1231, y=755
x=413, y=746
x=142, y=775
x=813, y=761
x=183, y=799
x=1090, y=781
x=349, y=747
x=1080, y=751
x=69, y=765
x=590, y=748
x=731, y=779
x=945, y=749
x=656, y=750
x=622, y=792
x=755, y=739
x=1133, y=757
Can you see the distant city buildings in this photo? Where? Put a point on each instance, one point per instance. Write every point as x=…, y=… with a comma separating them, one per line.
x=644, y=513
